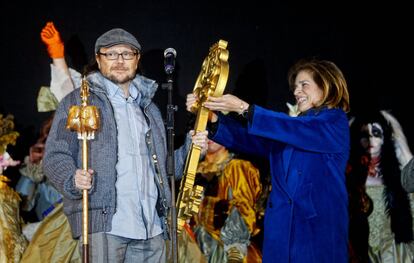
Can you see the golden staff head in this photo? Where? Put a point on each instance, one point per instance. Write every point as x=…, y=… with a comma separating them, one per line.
x=83, y=119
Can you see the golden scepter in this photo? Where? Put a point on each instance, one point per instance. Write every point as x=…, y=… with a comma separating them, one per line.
x=84, y=119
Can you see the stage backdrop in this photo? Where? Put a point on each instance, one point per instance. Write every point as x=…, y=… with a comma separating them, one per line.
x=265, y=39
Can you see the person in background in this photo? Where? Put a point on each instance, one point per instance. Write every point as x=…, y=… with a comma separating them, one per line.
x=129, y=196
x=227, y=217
x=50, y=236
x=381, y=223
x=306, y=218
x=12, y=241
x=63, y=79
x=407, y=176
x=35, y=190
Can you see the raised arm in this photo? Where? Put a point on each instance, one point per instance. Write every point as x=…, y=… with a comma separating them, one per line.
x=55, y=47
x=63, y=79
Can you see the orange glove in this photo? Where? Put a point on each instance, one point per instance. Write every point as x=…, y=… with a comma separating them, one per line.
x=50, y=36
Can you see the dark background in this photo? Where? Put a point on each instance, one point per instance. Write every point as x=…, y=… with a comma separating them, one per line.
x=369, y=43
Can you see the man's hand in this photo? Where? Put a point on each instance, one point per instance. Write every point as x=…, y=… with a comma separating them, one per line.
x=200, y=139
x=51, y=37
x=190, y=102
x=83, y=179
x=234, y=255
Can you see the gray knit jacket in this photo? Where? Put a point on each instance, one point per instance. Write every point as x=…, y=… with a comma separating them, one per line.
x=64, y=155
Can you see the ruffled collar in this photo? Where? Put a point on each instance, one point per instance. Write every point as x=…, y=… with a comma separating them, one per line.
x=215, y=165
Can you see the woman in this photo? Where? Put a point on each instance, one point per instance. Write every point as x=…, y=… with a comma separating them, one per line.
x=380, y=212
x=306, y=217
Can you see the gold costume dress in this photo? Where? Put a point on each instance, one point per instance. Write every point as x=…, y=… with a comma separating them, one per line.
x=12, y=241
x=236, y=184
x=52, y=241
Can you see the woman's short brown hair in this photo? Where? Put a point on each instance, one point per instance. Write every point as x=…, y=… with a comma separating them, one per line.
x=328, y=77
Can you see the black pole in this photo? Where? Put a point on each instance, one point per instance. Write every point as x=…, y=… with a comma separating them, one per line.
x=170, y=163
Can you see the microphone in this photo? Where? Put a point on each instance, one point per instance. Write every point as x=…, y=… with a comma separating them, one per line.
x=169, y=60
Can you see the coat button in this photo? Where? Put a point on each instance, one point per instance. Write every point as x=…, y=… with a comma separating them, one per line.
x=289, y=201
x=270, y=205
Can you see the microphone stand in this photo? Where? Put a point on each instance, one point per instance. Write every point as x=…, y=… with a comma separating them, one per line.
x=170, y=163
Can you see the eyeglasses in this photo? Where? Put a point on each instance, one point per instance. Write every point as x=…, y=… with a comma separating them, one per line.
x=112, y=55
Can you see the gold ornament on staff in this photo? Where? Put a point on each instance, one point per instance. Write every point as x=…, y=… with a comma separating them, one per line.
x=84, y=119
x=210, y=82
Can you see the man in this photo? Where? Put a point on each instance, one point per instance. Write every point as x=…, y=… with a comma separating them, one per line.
x=128, y=188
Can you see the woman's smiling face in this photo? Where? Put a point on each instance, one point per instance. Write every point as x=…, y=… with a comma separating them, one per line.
x=307, y=93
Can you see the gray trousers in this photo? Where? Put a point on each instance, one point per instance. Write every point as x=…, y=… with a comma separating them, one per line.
x=107, y=248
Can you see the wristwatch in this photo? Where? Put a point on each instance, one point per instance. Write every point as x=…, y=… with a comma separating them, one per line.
x=245, y=113
x=244, y=110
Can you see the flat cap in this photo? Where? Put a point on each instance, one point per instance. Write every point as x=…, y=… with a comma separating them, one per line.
x=114, y=37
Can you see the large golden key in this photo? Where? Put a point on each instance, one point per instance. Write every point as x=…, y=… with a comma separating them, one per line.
x=210, y=82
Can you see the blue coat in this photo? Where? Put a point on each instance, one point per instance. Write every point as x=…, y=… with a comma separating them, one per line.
x=306, y=218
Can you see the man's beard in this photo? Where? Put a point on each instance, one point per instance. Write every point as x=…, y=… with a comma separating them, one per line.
x=117, y=80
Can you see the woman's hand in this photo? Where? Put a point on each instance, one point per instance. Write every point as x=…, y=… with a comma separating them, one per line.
x=228, y=102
